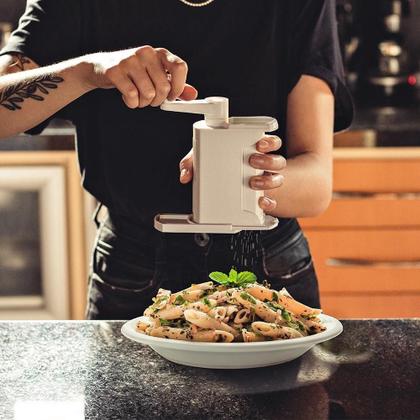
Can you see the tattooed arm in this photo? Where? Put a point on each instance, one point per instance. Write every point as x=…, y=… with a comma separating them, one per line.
x=144, y=76
x=29, y=94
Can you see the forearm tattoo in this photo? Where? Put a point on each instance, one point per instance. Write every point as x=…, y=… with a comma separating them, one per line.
x=20, y=62
x=12, y=97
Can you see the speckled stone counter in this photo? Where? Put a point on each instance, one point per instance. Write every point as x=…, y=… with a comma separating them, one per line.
x=87, y=370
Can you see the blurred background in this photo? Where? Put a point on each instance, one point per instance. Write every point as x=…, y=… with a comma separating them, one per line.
x=365, y=247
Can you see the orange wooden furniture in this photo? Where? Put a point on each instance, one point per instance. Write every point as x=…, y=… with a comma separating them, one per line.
x=366, y=247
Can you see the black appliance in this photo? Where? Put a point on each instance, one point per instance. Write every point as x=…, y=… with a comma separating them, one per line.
x=381, y=69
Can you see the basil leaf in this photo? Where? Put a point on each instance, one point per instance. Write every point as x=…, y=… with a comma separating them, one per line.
x=246, y=277
x=233, y=275
x=219, y=277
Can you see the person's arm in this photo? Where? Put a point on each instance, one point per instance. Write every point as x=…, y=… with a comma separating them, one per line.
x=303, y=186
x=30, y=94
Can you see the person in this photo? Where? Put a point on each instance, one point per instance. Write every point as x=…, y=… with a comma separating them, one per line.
x=108, y=65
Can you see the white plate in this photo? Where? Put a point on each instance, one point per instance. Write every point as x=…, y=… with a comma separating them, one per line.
x=233, y=355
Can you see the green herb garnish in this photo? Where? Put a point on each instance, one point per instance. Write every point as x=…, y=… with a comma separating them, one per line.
x=286, y=315
x=160, y=300
x=179, y=300
x=271, y=306
x=233, y=279
x=275, y=297
x=164, y=322
x=274, y=306
x=301, y=326
x=248, y=297
x=309, y=316
x=206, y=301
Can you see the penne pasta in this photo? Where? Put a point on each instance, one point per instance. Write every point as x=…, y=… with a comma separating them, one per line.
x=188, y=295
x=169, y=312
x=275, y=331
x=217, y=336
x=296, y=307
x=206, y=313
x=243, y=316
x=254, y=304
x=201, y=306
x=231, y=310
x=222, y=296
x=163, y=292
x=201, y=286
x=204, y=321
x=219, y=312
x=142, y=326
x=260, y=292
x=250, y=336
x=160, y=302
x=192, y=293
x=282, y=298
x=312, y=326
x=170, y=332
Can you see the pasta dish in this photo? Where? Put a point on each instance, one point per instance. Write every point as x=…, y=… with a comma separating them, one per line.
x=237, y=309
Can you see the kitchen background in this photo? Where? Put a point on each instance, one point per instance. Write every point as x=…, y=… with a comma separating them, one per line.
x=365, y=247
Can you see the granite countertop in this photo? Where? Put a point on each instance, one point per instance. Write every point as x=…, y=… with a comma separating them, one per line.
x=87, y=370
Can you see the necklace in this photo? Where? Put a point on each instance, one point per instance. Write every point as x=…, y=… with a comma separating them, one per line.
x=202, y=4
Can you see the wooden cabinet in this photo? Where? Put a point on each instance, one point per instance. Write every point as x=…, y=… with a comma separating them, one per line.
x=366, y=247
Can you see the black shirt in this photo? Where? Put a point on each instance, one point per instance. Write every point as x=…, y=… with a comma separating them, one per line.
x=251, y=51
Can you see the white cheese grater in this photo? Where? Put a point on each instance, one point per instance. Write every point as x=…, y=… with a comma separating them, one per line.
x=223, y=201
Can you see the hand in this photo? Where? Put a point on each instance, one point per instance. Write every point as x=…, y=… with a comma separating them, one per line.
x=271, y=164
x=144, y=76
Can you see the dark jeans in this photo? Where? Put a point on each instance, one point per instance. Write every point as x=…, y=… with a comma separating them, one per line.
x=130, y=263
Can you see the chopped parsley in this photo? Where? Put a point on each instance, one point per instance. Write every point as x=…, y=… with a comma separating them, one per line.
x=160, y=300
x=301, y=326
x=271, y=306
x=309, y=316
x=164, y=322
x=274, y=306
x=286, y=315
x=179, y=300
x=206, y=301
x=297, y=325
x=248, y=297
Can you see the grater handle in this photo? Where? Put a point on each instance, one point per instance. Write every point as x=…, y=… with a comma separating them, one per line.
x=215, y=109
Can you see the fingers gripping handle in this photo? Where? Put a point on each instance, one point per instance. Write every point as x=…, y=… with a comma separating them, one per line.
x=249, y=196
x=215, y=109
